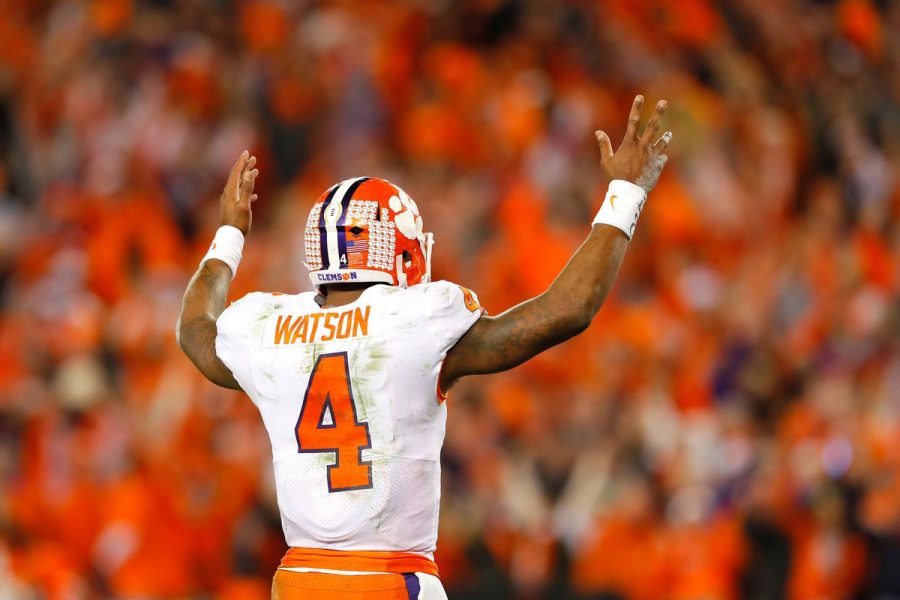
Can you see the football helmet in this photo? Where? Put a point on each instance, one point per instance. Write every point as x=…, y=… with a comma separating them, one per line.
x=367, y=230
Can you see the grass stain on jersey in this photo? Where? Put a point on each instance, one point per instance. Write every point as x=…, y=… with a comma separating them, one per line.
x=258, y=325
x=367, y=366
x=305, y=358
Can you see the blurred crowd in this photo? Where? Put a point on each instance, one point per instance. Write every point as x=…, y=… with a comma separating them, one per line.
x=727, y=428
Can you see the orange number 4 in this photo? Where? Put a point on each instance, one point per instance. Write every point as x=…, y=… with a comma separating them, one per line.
x=328, y=423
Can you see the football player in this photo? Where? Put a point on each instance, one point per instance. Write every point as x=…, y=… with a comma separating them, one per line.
x=351, y=379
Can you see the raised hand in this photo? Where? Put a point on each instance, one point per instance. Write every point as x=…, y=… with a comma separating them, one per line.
x=639, y=159
x=236, y=198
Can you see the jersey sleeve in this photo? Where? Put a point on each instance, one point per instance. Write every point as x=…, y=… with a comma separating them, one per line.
x=451, y=310
x=234, y=340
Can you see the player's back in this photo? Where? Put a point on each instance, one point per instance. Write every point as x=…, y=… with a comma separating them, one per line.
x=349, y=397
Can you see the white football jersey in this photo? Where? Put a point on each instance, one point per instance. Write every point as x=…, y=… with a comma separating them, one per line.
x=350, y=400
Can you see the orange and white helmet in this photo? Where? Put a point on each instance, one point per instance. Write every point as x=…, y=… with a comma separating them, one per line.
x=367, y=230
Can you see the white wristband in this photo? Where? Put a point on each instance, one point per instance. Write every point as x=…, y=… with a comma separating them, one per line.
x=622, y=206
x=227, y=247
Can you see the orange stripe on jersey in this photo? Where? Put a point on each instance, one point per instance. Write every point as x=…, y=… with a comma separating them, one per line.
x=359, y=560
x=291, y=585
x=441, y=394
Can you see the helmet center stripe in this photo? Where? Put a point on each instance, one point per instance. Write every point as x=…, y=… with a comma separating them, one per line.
x=332, y=211
x=342, y=221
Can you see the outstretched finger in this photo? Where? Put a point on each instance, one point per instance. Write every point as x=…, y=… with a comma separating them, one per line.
x=634, y=118
x=238, y=168
x=240, y=163
x=662, y=142
x=606, y=150
x=655, y=121
x=248, y=180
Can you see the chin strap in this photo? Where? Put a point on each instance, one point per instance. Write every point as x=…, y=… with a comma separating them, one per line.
x=429, y=244
x=401, y=273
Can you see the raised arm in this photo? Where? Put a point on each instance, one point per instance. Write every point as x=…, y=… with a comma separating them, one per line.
x=566, y=309
x=206, y=294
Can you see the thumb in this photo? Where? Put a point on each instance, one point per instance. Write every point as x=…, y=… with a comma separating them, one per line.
x=605, y=146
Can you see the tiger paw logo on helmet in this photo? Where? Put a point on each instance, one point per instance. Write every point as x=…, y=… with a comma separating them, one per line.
x=367, y=230
x=407, y=220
